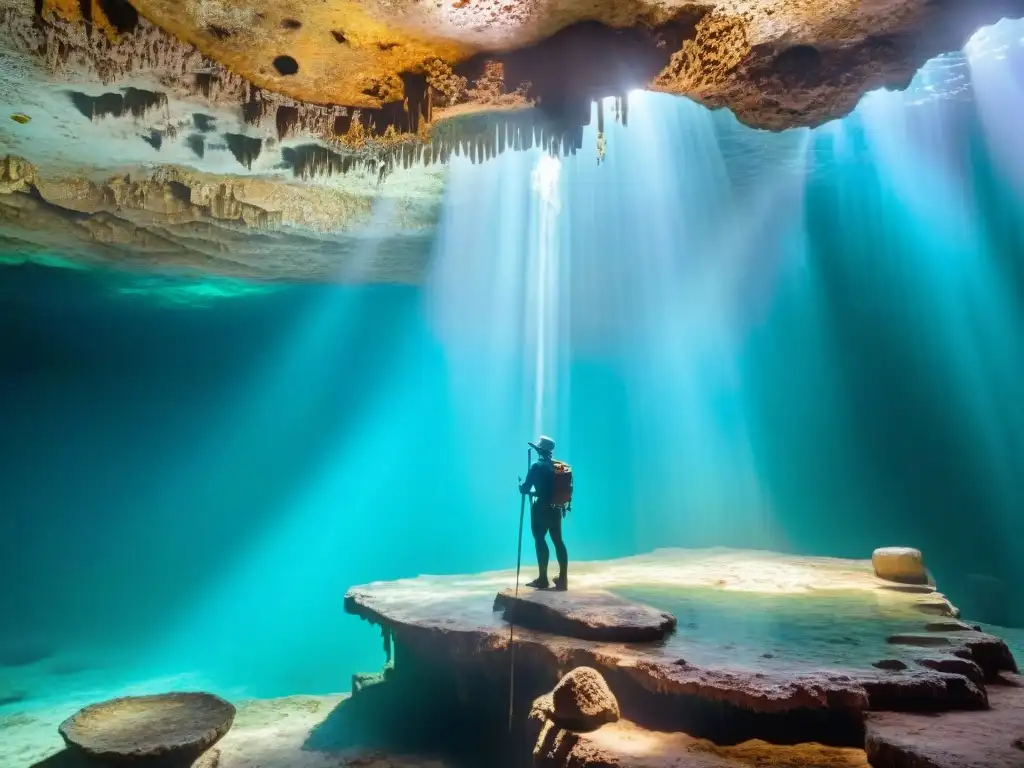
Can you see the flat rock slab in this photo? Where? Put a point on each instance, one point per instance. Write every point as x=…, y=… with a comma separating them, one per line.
x=169, y=729
x=992, y=738
x=593, y=614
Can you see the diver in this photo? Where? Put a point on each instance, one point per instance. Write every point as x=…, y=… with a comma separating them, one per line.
x=552, y=485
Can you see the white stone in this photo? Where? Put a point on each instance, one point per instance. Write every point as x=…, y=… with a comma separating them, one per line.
x=902, y=564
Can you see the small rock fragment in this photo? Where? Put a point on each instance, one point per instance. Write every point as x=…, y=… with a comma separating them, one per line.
x=900, y=564
x=894, y=665
x=922, y=640
x=956, y=666
x=583, y=701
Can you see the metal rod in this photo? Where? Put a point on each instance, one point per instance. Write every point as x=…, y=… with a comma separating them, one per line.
x=511, y=623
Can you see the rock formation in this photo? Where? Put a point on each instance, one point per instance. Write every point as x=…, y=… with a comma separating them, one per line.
x=582, y=701
x=847, y=643
x=983, y=739
x=588, y=615
x=286, y=126
x=172, y=729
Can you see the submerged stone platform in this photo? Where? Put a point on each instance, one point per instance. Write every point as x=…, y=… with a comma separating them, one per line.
x=766, y=646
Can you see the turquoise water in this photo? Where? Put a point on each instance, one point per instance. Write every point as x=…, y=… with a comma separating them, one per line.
x=808, y=341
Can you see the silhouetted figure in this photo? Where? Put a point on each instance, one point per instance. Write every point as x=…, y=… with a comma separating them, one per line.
x=551, y=482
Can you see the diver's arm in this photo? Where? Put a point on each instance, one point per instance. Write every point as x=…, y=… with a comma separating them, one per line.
x=531, y=478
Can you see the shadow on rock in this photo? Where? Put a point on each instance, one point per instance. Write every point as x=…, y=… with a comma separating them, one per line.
x=65, y=759
x=396, y=717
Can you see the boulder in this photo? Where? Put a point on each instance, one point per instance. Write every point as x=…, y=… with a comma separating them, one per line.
x=582, y=701
x=587, y=615
x=901, y=564
x=170, y=729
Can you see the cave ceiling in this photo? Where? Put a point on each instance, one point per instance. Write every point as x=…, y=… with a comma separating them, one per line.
x=309, y=141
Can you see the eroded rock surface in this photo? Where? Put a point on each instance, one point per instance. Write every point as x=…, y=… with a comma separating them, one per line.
x=582, y=701
x=984, y=739
x=178, y=220
x=588, y=615
x=176, y=728
x=774, y=63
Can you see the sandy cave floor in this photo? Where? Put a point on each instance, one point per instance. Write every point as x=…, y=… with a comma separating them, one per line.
x=267, y=733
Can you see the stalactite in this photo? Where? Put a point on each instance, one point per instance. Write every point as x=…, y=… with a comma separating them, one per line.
x=385, y=634
x=286, y=119
x=204, y=82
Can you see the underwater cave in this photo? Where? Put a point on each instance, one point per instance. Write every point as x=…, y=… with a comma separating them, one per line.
x=295, y=400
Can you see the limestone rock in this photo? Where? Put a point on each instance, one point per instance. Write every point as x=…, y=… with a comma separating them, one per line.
x=774, y=64
x=170, y=728
x=980, y=739
x=957, y=666
x=902, y=564
x=923, y=691
x=176, y=219
x=586, y=614
x=582, y=701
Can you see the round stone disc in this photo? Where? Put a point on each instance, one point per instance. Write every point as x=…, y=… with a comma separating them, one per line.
x=165, y=729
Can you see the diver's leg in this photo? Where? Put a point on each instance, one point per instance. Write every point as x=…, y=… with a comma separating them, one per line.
x=555, y=527
x=539, y=528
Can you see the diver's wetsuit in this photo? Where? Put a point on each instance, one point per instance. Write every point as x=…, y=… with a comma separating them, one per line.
x=545, y=519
